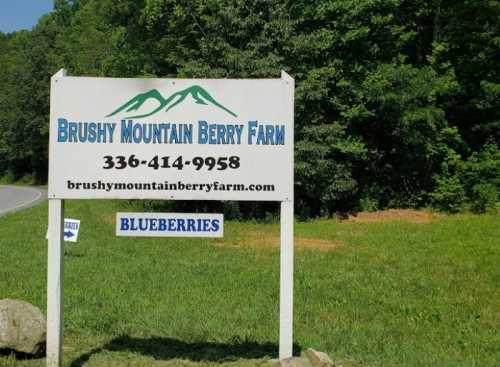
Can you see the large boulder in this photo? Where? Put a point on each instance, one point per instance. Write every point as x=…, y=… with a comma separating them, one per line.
x=319, y=359
x=311, y=358
x=295, y=362
x=22, y=327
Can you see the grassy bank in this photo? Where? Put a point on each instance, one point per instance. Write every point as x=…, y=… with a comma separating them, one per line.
x=370, y=294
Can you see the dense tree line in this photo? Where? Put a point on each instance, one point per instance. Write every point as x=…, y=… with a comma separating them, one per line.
x=397, y=101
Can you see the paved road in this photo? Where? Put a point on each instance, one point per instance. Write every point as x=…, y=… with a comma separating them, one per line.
x=14, y=198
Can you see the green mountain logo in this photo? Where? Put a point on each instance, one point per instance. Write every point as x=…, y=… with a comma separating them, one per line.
x=197, y=93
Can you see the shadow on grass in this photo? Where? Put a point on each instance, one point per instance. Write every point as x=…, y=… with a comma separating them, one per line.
x=5, y=352
x=161, y=348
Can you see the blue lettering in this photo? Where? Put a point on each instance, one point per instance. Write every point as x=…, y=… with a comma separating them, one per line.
x=280, y=135
x=82, y=132
x=221, y=134
x=212, y=131
x=92, y=133
x=190, y=225
x=261, y=137
x=188, y=133
x=124, y=225
x=143, y=224
x=252, y=125
x=239, y=131
x=147, y=133
x=101, y=133
x=269, y=134
x=202, y=132
x=230, y=134
x=72, y=132
x=174, y=137
x=126, y=131
x=62, y=132
x=180, y=225
x=111, y=131
x=171, y=224
x=137, y=133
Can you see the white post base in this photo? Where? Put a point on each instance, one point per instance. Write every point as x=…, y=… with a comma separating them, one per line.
x=55, y=278
x=286, y=280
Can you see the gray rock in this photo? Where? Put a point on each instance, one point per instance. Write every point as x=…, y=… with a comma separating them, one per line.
x=295, y=362
x=318, y=359
x=22, y=327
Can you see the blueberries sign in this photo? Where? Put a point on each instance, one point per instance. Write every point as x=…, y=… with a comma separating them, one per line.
x=169, y=225
x=189, y=139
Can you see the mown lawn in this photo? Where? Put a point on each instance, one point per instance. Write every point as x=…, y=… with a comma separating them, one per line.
x=369, y=294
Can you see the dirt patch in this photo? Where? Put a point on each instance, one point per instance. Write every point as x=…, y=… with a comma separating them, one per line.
x=317, y=244
x=272, y=240
x=108, y=218
x=407, y=215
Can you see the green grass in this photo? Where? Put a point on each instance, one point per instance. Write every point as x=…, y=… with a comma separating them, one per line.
x=389, y=294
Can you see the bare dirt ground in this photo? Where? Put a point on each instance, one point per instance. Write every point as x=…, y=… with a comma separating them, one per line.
x=408, y=215
x=272, y=240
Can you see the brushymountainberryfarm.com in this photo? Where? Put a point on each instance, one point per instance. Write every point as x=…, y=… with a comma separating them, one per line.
x=166, y=186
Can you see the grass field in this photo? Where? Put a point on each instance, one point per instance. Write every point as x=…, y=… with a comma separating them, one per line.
x=369, y=294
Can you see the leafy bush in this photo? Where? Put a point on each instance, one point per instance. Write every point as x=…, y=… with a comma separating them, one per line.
x=481, y=178
x=27, y=180
x=8, y=178
x=449, y=195
x=368, y=204
x=484, y=197
x=476, y=181
x=326, y=159
x=482, y=167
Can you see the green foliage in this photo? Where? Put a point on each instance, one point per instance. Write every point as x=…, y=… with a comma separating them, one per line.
x=481, y=177
x=449, y=195
x=388, y=92
x=407, y=132
x=482, y=167
x=476, y=181
x=8, y=178
x=24, y=100
x=484, y=197
x=324, y=169
x=368, y=204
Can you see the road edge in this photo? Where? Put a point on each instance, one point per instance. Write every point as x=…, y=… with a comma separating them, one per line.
x=41, y=197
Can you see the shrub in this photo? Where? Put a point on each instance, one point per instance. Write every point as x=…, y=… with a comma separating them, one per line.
x=8, y=178
x=482, y=167
x=476, y=181
x=368, y=204
x=484, y=197
x=27, y=180
x=449, y=195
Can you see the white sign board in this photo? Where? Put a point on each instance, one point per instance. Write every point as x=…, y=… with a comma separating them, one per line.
x=70, y=230
x=169, y=225
x=181, y=139
x=193, y=139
